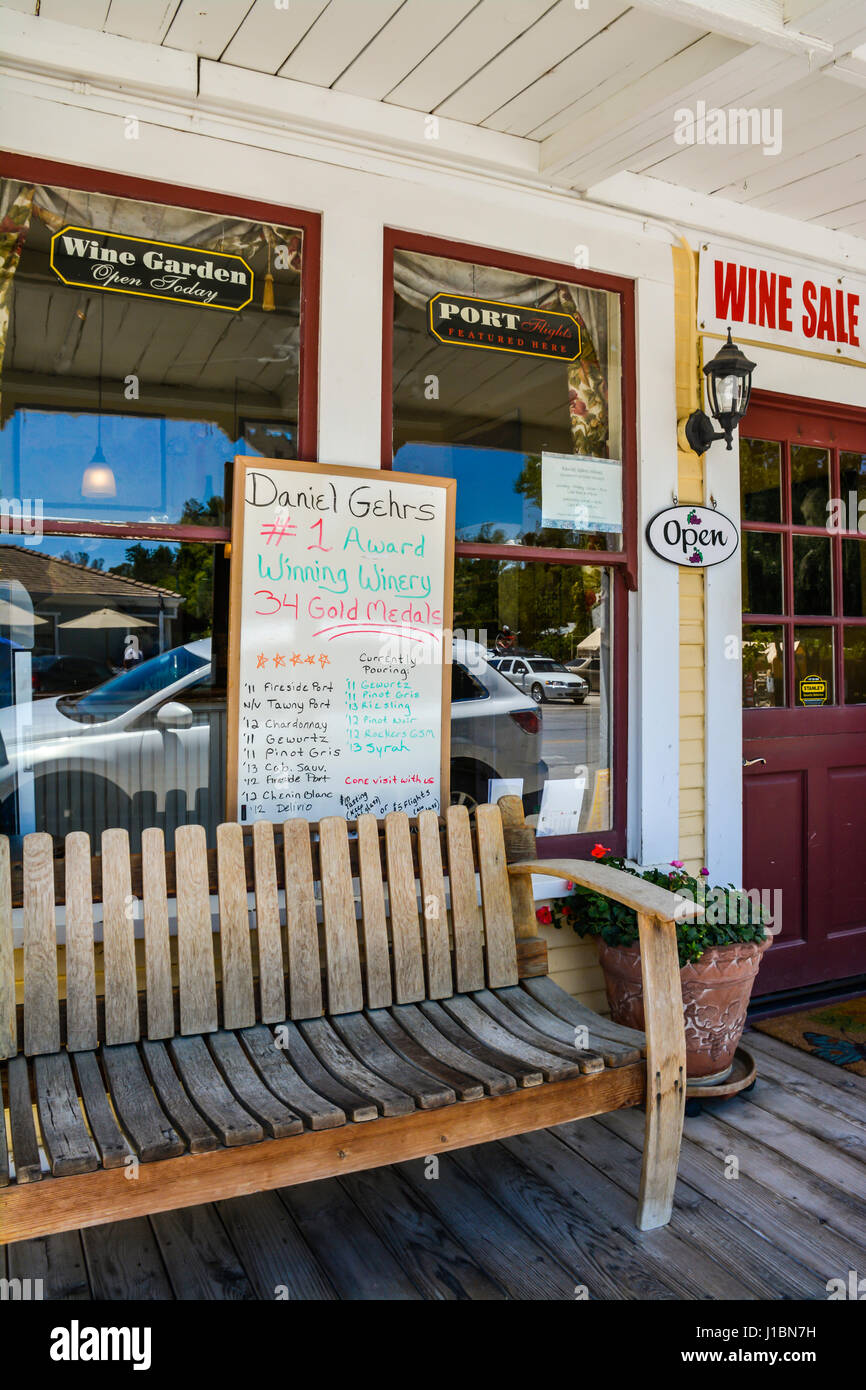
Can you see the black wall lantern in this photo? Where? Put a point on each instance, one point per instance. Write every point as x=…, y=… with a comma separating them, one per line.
x=729, y=385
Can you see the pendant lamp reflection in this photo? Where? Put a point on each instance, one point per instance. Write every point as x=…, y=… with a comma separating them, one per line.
x=98, y=479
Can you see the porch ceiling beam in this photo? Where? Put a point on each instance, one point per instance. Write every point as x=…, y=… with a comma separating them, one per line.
x=750, y=21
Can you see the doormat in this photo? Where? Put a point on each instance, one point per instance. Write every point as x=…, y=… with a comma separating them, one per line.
x=835, y=1033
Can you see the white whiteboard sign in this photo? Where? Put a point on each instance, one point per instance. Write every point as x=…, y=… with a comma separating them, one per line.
x=339, y=675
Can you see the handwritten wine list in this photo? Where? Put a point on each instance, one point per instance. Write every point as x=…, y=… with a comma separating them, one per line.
x=341, y=646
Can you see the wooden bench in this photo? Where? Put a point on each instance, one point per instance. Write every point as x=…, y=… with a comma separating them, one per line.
x=197, y=1064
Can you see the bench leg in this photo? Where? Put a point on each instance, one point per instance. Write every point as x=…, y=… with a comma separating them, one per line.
x=666, y=1071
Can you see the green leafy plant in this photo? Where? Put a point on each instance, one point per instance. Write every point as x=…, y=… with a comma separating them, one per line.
x=730, y=914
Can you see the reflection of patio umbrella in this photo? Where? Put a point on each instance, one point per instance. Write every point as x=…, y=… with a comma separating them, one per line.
x=13, y=615
x=592, y=643
x=107, y=618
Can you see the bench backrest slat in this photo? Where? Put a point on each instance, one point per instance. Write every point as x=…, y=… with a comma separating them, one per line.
x=397, y=925
x=433, y=907
x=496, y=899
x=345, y=991
x=302, y=931
x=157, y=940
x=272, y=983
x=8, y=1010
x=403, y=900
x=465, y=912
x=374, y=923
x=81, y=1029
x=239, y=1001
x=196, y=975
x=118, y=947
x=41, y=1004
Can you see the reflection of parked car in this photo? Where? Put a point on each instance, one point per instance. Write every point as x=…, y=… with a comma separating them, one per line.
x=56, y=674
x=494, y=731
x=543, y=678
x=589, y=669
x=148, y=746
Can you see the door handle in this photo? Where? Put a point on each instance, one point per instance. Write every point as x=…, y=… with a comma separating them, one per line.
x=753, y=762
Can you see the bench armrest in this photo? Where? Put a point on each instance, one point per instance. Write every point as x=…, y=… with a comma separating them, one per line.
x=613, y=883
x=657, y=914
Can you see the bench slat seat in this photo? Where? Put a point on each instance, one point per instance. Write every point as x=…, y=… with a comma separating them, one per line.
x=334, y=1024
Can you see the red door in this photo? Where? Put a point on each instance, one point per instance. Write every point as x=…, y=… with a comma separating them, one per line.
x=803, y=485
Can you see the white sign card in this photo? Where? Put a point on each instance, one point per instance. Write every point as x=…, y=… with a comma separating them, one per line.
x=561, y=805
x=339, y=641
x=581, y=493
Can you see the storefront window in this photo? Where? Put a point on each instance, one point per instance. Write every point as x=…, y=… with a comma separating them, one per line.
x=125, y=403
x=504, y=423
x=141, y=347
x=514, y=388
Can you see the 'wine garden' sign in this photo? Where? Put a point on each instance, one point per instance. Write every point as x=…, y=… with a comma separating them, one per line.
x=154, y=269
x=693, y=536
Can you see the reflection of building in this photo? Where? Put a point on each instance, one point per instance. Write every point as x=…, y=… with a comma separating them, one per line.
x=62, y=591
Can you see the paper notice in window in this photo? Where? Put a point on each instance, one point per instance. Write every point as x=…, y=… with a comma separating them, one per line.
x=503, y=786
x=581, y=493
x=561, y=805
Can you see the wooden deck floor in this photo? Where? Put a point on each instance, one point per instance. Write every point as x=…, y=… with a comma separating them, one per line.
x=535, y=1217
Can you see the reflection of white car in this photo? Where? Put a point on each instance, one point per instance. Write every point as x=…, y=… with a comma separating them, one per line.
x=495, y=731
x=135, y=751
x=148, y=746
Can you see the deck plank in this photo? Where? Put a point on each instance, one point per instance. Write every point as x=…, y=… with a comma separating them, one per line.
x=503, y=1248
x=357, y=1262
x=697, y=1219
x=417, y=1239
x=199, y=1258
x=57, y=1260
x=278, y=1262
x=124, y=1261
x=767, y=1212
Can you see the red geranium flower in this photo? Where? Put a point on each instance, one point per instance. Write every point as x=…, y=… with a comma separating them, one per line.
x=599, y=851
x=545, y=916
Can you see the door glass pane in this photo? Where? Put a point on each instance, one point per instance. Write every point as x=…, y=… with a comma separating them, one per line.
x=535, y=443
x=810, y=485
x=760, y=480
x=763, y=667
x=545, y=729
x=852, y=469
x=813, y=583
x=855, y=665
x=813, y=666
x=112, y=696
x=762, y=572
x=854, y=579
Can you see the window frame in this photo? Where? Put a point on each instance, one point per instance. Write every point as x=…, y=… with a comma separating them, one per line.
x=623, y=563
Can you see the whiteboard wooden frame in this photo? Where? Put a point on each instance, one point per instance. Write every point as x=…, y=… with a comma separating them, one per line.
x=241, y=464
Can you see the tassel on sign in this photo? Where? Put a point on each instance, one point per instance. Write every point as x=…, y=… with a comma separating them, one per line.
x=268, y=292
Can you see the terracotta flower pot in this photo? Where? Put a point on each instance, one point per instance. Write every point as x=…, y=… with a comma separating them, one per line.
x=716, y=991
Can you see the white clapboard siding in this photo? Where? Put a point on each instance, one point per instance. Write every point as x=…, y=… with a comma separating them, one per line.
x=206, y=27
x=148, y=21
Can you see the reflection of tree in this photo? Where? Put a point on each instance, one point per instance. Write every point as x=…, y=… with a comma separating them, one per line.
x=81, y=557
x=186, y=569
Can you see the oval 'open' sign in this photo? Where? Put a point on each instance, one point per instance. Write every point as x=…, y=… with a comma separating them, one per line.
x=694, y=536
